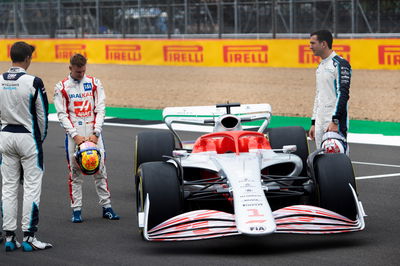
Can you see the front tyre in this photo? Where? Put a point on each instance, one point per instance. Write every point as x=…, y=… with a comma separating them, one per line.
x=333, y=174
x=160, y=181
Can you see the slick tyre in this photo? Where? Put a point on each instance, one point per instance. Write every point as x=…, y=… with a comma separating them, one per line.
x=160, y=181
x=333, y=174
x=151, y=146
x=281, y=136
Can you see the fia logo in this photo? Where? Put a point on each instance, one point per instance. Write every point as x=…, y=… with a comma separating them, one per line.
x=87, y=86
x=257, y=228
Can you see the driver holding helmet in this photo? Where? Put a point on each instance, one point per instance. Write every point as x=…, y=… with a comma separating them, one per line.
x=333, y=75
x=80, y=103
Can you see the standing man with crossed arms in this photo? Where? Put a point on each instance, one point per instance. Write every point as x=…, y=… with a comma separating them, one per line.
x=80, y=103
x=24, y=111
x=333, y=83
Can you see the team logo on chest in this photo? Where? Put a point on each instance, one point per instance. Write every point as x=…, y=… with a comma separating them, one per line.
x=87, y=86
x=83, y=108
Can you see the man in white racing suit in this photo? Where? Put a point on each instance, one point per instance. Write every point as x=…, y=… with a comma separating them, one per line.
x=24, y=111
x=330, y=112
x=80, y=103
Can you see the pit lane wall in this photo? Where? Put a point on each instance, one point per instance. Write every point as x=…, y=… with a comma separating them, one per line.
x=293, y=53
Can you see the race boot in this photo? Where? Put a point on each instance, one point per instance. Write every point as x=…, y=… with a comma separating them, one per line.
x=76, y=216
x=11, y=243
x=109, y=214
x=30, y=243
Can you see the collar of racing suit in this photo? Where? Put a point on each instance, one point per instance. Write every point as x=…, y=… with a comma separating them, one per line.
x=16, y=69
x=332, y=55
x=76, y=80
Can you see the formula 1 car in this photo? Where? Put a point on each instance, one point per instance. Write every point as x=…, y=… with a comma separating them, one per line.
x=234, y=181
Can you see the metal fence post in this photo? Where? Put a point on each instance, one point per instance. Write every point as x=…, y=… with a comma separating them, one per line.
x=273, y=13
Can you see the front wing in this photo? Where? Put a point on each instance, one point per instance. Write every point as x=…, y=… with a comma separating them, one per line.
x=205, y=224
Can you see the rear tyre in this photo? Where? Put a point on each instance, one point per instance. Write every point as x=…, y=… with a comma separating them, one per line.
x=151, y=146
x=280, y=136
x=160, y=181
x=333, y=174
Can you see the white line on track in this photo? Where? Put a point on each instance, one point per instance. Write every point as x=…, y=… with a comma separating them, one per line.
x=376, y=164
x=377, y=176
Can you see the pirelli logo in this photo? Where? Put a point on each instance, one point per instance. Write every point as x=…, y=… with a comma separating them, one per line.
x=183, y=53
x=306, y=56
x=34, y=55
x=122, y=52
x=65, y=51
x=246, y=54
x=389, y=54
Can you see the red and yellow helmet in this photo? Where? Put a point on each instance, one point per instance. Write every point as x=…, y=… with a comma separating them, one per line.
x=88, y=158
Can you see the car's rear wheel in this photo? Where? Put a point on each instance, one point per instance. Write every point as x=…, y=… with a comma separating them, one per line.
x=160, y=181
x=294, y=135
x=151, y=146
x=333, y=174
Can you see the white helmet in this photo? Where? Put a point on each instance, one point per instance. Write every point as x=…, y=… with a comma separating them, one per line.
x=333, y=142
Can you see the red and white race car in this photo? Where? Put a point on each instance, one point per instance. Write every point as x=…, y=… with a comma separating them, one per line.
x=236, y=181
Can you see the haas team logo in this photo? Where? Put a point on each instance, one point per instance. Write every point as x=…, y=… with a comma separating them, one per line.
x=83, y=108
x=306, y=56
x=389, y=54
x=183, y=53
x=245, y=54
x=65, y=51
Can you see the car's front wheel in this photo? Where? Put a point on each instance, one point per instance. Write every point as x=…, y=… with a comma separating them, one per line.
x=160, y=181
x=333, y=174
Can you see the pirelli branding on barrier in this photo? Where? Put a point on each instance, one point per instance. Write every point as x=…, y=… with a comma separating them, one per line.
x=294, y=53
x=389, y=54
x=245, y=54
x=183, y=53
x=306, y=56
x=65, y=51
x=123, y=52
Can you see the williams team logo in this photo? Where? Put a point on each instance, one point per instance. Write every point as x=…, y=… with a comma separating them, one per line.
x=389, y=54
x=83, y=108
x=306, y=56
x=183, y=53
x=246, y=54
x=65, y=51
x=123, y=52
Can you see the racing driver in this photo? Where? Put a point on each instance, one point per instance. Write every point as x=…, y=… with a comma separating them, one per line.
x=332, y=94
x=80, y=103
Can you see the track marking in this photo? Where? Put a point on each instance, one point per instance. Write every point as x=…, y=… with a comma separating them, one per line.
x=376, y=176
x=377, y=164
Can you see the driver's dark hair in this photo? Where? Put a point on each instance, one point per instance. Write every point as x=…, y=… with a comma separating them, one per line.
x=20, y=51
x=324, y=35
x=78, y=60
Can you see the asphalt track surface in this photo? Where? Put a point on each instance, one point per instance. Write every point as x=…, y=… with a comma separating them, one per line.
x=101, y=242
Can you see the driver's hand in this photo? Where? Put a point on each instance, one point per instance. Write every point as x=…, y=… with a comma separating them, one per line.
x=79, y=139
x=311, y=132
x=93, y=139
x=332, y=127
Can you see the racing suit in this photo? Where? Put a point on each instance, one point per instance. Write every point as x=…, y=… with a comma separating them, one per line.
x=80, y=108
x=330, y=105
x=24, y=111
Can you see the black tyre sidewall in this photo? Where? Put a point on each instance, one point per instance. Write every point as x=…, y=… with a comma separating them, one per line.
x=160, y=181
x=294, y=135
x=151, y=146
x=333, y=174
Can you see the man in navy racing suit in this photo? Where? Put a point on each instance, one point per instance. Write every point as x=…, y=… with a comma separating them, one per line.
x=330, y=112
x=23, y=112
